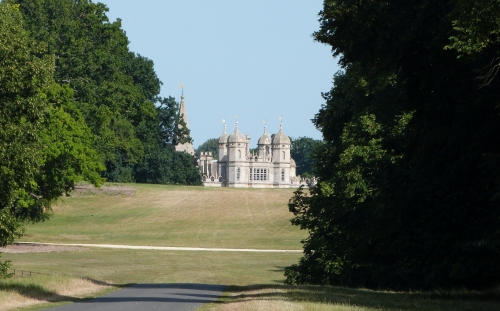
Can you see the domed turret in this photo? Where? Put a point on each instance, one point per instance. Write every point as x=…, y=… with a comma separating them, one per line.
x=223, y=137
x=265, y=139
x=236, y=136
x=281, y=138
x=264, y=144
x=237, y=146
x=223, y=145
x=281, y=147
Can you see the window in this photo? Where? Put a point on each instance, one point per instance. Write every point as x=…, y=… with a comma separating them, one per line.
x=260, y=173
x=283, y=154
x=250, y=174
x=239, y=154
x=238, y=173
x=282, y=174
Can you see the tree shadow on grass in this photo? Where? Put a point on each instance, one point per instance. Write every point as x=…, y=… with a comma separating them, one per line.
x=35, y=291
x=103, y=283
x=278, y=269
x=364, y=298
x=38, y=292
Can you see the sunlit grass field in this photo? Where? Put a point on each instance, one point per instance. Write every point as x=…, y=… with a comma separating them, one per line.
x=175, y=216
x=193, y=217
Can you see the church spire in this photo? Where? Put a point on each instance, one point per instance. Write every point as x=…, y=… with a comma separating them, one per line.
x=187, y=147
x=182, y=111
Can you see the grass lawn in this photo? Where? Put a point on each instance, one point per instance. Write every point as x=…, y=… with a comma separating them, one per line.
x=193, y=217
x=328, y=298
x=30, y=293
x=161, y=215
x=120, y=266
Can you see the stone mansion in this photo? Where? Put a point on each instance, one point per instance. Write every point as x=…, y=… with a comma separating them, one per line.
x=236, y=166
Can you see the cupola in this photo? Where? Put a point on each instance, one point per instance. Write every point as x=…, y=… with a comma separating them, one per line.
x=236, y=136
x=281, y=138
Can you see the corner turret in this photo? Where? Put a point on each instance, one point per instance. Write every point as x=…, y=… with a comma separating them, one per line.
x=264, y=144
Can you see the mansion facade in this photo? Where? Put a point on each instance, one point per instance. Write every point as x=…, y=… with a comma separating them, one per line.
x=236, y=166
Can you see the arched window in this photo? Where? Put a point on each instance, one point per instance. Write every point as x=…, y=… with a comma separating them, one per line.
x=282, y=152
x=239, y=154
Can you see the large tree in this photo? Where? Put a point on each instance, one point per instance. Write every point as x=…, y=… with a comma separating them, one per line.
x=302, y=151
x=409, y=191
x=115, y=89
x=23, y=77
x=45, y=146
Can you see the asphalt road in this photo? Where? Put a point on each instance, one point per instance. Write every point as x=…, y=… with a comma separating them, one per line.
x=172, y=297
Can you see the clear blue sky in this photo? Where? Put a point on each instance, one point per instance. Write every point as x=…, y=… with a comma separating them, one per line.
x=255, y=59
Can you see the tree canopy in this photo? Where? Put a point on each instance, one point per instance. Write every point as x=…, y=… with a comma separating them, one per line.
x=212, y=145
x=302, y=152
x=409, y=191
x=45, y=145
x=115, y=90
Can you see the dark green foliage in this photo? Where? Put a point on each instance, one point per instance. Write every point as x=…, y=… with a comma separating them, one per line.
x=167, y=166
x=23, y=77
x=162, y=164
x=115, y=89
x=409, y=192
x=301, y=151
x=45, y=145
x=173, y=130
x=476, y=28
x=4, y=269
x=112, y=85
x=211, y=145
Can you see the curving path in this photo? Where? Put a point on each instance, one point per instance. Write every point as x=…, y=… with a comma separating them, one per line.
x=173, y=297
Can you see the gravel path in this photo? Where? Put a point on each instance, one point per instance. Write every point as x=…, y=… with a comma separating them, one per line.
x=38, y=248
x=167, y=248
x=173, y=297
